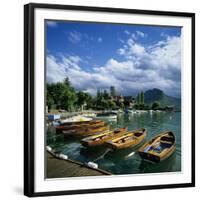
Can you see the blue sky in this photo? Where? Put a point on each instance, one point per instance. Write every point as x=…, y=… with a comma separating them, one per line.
x=129, y=57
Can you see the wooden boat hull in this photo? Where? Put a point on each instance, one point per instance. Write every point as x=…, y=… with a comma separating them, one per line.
x=129, y=139
x=89, y=132
x=86, y=131
x=100, y=139
x=81, y=122
x=59, y=129
x=166, y=142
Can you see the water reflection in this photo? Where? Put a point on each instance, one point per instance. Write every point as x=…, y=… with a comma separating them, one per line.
x=94, y=154
x=164, y=166
x=125, y=161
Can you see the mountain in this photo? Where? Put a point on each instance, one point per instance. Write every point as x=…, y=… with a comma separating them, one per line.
x=158, y=95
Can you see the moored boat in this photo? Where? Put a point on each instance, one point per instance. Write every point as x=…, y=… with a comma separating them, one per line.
x=101, y=138
x=91, y=114
x=88, y=131
x=92, y=130
x=93, y=123
x=106, y=115
x=76, y=119
x=159, y=148
x=81, y=122
x=129, y=139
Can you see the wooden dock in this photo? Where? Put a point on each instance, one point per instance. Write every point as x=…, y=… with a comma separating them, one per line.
x=59, y=168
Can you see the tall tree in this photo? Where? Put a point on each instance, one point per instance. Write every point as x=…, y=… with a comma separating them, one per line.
x=105, y=94
x=111, y=104
x=155, y=105
x=83, y=99
x=142, y=98
x=62, y=95
x=67, y=82
x=112, y=91
x=138, y=98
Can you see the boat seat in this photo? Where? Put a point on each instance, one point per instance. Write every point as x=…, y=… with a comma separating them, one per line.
x=166, y=142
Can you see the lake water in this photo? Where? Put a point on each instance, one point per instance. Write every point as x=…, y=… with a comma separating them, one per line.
x=125, y=161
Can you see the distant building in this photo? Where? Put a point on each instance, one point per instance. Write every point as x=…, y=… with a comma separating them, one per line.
x=128, y=101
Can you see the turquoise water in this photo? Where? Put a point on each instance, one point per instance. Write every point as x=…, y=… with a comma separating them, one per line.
x=125, y=161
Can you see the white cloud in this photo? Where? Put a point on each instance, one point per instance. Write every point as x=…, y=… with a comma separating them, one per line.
x=144, y=67
x=99, y=39
x=168, y=53
x=122, y=41
x=74, y=37
x=75, y=59
x=163, y=58
x=52, y=24
x=133, y=35
x=140, y=33
x=127, y=32
x=55, y=70
x=121, y=51
x=163, y=54
x=130, y=42
x=137, y=49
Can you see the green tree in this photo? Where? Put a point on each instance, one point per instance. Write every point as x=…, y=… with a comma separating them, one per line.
x=146, y=107
x=111, y=104
x=136, y=106
x=105, y=94
x=120, y=104
x=68, y=99
x=142, y=98
x=104, y=104
x=67, y=82
x=62, y=95
x=112, y=91
x=83, y=99
x=155, y=105
x=138, y=98
x=50, y=101
x=99, y=95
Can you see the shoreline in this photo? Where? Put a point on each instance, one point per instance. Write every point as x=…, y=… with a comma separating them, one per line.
x=70, y=114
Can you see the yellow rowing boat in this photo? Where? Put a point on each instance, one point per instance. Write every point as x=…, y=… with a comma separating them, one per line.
x=99, y=139
x=87, y=131
x=96, y=123
x=129, y=139
x=159, y=148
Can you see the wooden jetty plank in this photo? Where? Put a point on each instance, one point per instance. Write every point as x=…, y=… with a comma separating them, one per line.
x=59, y=168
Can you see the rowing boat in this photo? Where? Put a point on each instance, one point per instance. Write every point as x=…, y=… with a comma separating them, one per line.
x=87, y=131
x=80, y=122
x=129, y=139
x=76, y=119
x=159, y=148
x=92, y=130
x=97, y=123
x=101, y=138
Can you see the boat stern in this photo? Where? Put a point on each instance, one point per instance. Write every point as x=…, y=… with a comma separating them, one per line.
x=149, y=157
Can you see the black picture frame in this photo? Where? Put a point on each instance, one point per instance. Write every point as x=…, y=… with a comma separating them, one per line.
x=29, y=97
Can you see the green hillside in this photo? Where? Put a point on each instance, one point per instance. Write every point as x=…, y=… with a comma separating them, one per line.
x=158, y=95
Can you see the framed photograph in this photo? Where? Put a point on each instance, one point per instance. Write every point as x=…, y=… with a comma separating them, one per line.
x=108, y=99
